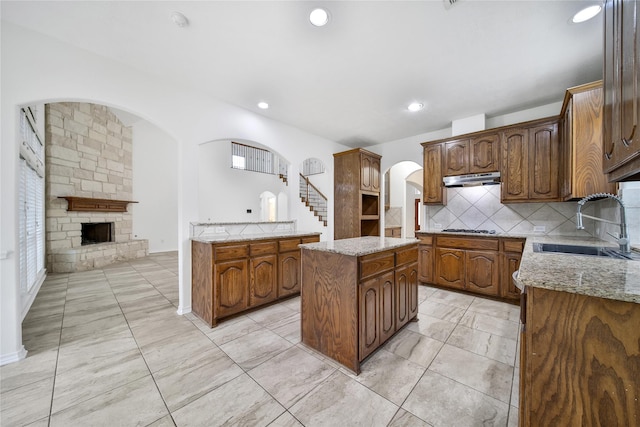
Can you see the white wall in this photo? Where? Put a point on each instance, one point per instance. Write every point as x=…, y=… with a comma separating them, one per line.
x=155, y=187
x=187, y=116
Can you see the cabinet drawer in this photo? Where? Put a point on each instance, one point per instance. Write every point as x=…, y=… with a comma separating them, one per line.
x=406, y=256
x=425, y=240
x=264, y=248
x=311, y=239
x=513, y=246
x=288, y=245
x=375, y=264
x=467, y=243
x=231, y=252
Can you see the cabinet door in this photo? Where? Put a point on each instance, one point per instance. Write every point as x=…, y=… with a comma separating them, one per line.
x=450, y=268
x=456, y=154
x=369, y=327
x=543, y=162
x=375, y=174
x=369, y=173
x=434, y=191
x=263, y=284
x=515, y=157
x=387, y=306
x=484, y=154
x=231, y=287
x=402, y=296
x=483, y=275
x=510, y=264
x=425, y=263
x=412, y=292
x=289, y=282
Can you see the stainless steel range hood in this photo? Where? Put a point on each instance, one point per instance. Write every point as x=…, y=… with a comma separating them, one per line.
x=472, y=179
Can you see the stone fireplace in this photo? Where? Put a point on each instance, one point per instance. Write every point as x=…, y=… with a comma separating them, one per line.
x=88, y=158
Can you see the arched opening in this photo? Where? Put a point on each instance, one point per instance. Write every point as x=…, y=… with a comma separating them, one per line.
x=402, y=188
x=268, y=207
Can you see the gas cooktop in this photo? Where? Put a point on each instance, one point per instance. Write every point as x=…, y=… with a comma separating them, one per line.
x=463, y=230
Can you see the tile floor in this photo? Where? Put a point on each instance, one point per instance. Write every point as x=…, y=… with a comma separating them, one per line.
x=106, y=348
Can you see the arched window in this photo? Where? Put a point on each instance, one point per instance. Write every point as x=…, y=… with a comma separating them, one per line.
x=268, y=207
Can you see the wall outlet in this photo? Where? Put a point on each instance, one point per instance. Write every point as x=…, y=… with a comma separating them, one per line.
x=539, y=228
x=219, y=229
x=437, y=226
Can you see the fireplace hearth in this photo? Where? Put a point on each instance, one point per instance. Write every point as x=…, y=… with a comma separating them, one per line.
x=97, y=232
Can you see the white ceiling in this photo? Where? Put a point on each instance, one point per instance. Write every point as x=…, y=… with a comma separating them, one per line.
x=351, y=80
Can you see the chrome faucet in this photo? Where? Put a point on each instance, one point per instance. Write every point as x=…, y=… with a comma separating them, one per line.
x=623, y=237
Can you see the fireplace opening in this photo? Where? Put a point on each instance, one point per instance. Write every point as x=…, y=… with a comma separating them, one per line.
x=97, y=232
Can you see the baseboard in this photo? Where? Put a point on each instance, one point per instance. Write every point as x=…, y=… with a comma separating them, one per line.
x=184, y=310
x=13, y=357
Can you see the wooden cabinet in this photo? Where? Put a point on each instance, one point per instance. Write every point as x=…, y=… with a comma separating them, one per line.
x=434, y=191
x=481, y=265
x=478, y=154
x=229, y=278
x=511, y=253
x=352, y=304
x=580, y=363
x=621, y=136
x=426, y=256
x=530, y=162
x=581, y=143
x=356, y=194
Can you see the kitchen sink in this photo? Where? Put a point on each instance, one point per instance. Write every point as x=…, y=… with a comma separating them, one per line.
x=603, y=251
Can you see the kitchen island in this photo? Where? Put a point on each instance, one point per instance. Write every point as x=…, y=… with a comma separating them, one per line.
x=580, y=340
x=356, y=293
x=236, y=267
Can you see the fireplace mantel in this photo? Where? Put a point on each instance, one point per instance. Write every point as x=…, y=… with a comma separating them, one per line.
x=87, y=204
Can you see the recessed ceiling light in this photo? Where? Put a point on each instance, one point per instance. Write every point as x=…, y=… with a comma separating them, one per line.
x=586, y=14
x=415, y=106
x=263, y=105
x=179, y=19
x=319, y=17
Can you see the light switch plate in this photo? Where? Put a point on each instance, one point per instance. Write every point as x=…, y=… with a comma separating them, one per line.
x=539, y=228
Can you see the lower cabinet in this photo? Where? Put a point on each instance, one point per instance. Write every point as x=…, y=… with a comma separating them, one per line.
x=229, y=278
x=482, y=265
x=377, y=321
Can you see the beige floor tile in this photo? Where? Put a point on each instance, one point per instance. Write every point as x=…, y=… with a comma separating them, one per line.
x=269, y=315
x=136, y=403
x=432, y=327
x=414, y=347
x=481, y=373
x=34, y=368
x=26, y=404
x=490, y=324
x=342, y=401
x=194, y=376
x=441, y=311
x=441, y=401
x=285, y=420
x=407, y=419
x=169, y=351
x=165, y=421
x=255, y=348
x=391, y=376
x=240, y=402
x=229, y=330
x=496, y=309
x=291, y=374
x=455, y=299
x=485, y=344
x=513, y=417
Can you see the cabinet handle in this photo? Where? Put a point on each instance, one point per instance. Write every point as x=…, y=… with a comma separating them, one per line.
x=626, y=142
x=609, y=155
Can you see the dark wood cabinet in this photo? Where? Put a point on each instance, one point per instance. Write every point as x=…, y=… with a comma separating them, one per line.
x=621, y=136
x=530, y=162
x=482, y=272
x=581, y=143
x=229, y=278
x=579, y=361
x=450, y=268
x=434, y=191
x=356, y=194
x=352, y=304
x=481, y=265
x=478, y=154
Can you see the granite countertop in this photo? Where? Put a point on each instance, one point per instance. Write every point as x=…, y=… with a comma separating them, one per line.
x=595, y=276
x=458, y=233
x=359, y=246
x=248, y=237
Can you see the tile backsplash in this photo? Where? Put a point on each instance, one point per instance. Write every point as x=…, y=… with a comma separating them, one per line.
x=480, y=208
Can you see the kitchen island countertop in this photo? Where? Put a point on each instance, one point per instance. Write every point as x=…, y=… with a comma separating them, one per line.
x=359, y=246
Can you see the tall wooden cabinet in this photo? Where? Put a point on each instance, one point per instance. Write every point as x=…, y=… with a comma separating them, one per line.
x=581, y=143
x=356, y=194
x=621, y=136
x=434, y=191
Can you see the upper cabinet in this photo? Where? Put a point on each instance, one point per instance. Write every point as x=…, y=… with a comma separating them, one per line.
x=472, y=155
x=621, y=136
x=581, y=143
x=434, y=192
x=356, y=187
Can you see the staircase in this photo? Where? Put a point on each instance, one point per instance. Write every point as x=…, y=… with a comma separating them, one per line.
x=313, y=198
